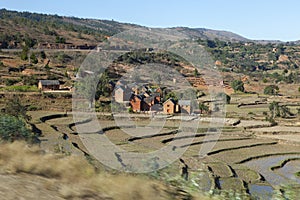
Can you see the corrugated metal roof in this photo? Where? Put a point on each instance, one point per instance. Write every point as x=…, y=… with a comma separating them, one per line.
x=172, y=100
x=184, y=102
x=49, y=82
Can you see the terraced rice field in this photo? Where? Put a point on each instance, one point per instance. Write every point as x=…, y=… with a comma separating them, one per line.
x=240, y=160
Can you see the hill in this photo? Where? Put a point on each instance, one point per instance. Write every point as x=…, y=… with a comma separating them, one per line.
x=41, y=29
x=210, y=34
x=17, y=28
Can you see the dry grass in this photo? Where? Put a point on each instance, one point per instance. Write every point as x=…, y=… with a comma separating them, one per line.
x=74, y=178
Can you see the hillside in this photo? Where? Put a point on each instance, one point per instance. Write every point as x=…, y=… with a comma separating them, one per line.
x=203, y=33
x=19, y=27
x=39, y=29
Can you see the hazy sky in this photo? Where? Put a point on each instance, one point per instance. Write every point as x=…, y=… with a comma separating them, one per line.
x=254, y=19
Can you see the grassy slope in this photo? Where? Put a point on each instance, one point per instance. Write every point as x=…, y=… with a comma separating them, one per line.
x=71, y=177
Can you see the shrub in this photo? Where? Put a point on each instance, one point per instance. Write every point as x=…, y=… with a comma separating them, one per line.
x=33, y=58
x=238, y=85
x=21, y=88
x=33, y=108
x=14, y=107
x=12, y=129
x=43, y=55
x=10, y=82
x=130, y=110
x=271, y=90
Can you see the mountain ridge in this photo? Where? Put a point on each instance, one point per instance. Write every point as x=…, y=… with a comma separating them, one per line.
x=95, y=30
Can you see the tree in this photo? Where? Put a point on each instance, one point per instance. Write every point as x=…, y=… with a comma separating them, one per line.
x=13, y=128
x=271, y=90
x=274, y=109
x=24, y=53
x=29, y=42
x=284, y=111
x=15, y=108
x=60, y=40
x=279, y=111
x=33, y=58
x=171, y=95
x=203, y=108
x=43, y=55
x=238, y=85
x=211, y=44
x=103, y=88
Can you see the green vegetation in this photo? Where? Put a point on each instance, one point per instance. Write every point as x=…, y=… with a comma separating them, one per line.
x=13, y=128
x=279, y=110
x=203, y=108
x=43, y=55
x=33, y=58
x=238, y=85
x=24, y=53
x=60, y=40
x=13, y=118
x=20, y=88
x=271, y=90
x=15, y=108
x=48, y=25
x=10, y=82
x=171, y=95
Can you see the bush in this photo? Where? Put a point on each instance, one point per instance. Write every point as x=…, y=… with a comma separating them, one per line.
x=14, y=107
x=12, y=129
x=30, y=80
x=33, y=58
x=271, y=90
x=10, y=82
x=21, y=88
x=33, y=108
x=238, y=85
x=43, y=55
x=130, y=110
x=24, y=53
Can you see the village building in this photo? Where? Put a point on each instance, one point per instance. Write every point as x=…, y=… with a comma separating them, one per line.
x=138, y=104
x=185, y=106
x=122, y=94
x=46, y=85
x=169, y=106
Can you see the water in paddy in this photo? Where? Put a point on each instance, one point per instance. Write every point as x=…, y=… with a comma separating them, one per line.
x=263, y=192
x=289, y=170
x=263, y=166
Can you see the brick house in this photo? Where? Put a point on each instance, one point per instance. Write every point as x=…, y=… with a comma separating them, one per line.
x=185, y=106
x=169, y=106
x=47, y=85
x=138, y=104
x=122, y=94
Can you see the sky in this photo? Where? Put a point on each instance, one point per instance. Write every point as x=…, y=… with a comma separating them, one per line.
x=253, y=19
